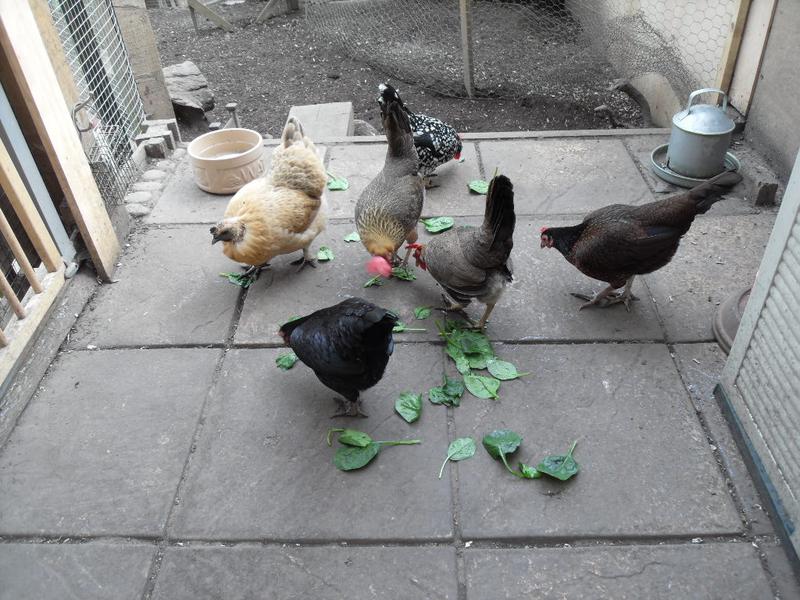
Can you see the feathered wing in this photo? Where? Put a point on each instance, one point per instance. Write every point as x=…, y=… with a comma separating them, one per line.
x=295, y=164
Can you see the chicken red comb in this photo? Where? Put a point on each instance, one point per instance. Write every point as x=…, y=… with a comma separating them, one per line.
x=543, y=229
x=377, y=265
x=413, y=246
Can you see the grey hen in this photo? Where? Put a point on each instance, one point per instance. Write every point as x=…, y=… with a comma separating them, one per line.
x=388, y=209
x=473, y=262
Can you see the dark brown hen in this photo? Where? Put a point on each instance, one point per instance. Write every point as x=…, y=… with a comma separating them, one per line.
x=347, y=346
x=617, y=242
x=473, y=262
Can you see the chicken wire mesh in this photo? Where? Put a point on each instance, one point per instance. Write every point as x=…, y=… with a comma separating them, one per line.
x=99, y=63
x=524, y=47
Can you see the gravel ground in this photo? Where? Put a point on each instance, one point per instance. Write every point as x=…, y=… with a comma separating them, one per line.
x=271, y=66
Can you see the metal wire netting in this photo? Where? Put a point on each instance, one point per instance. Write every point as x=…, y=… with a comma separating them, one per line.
x=99, y=63
x=522, y=47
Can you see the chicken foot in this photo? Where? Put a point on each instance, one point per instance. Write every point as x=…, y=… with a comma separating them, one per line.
x=349, y=408
x=482, y=323
x=608, y=297
x=254, y=271
x=304, y=260
x=457, y=308
x=428, y=183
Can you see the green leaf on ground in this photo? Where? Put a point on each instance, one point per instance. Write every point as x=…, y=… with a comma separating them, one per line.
x=350, y=458
x=503, y=370
x=422, y=312
x=454, y=351
x=377, y=280
x=560, y=466
x=409, y=406
x=404, y=273
x=239, y=279
x=449, y=393
x=337, y=183
x=500, y=443
x=438, y=224
x=352, y=237
x=286, y=361
x=400, y=327
x=481, y=386
x=478, y=186
x=528, y=472
x=475, y=342
x=350, y=437
x=459, y=449
x=325, y=254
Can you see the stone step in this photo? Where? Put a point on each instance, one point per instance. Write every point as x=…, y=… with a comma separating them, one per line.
x=334, y=119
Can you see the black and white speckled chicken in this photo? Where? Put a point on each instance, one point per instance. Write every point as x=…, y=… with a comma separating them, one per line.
x=347, y=345
x=436, y=141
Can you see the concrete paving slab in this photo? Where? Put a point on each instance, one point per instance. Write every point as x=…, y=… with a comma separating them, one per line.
x=719, y=256
x=701, y=366
x=536, y=306
x=332, y=119
x=452, y=197
x=640, y=147
x=646, y=468
x=183, y=202
x=783, y=577
x=729, y=570
x=321, y=573
x=94, y=571
x=281, y=292
x=566, y=176
x=101, y=448
x=358, y=163
x=265, y=472
x=169, y=292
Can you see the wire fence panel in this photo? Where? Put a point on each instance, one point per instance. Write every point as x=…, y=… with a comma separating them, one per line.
x=99, y=63
x=523, y=47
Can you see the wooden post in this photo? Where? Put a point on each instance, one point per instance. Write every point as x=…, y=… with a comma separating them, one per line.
x=31, y=68
x=198, y=6
x=731, y=51
x=465, y=11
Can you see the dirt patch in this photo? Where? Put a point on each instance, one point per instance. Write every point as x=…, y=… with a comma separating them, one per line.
x=271, y=66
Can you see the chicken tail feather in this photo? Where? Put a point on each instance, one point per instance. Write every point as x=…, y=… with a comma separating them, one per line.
x=709, y=192
x=500, y=218
x=292, y=132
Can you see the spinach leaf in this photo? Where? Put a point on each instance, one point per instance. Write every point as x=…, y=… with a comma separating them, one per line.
x=350, y=437
x=409, y=406
x=560, y=466
x=240, y=279
x=459, y=449
x=325, y=254
x=449, y=393
x=503, y=370
x=350, y=458
x=337, y=183
x=377, y=280
x=475, y=342
x=500, y=442
x=286, y=361
x=438, y=224
x=528, y=472
x=404, y=273
x=400, y=327
x=479, y=186
x=352, y=237
x=454, y=351
x=422, y=312
x=481, y=386
x=476, y=361
x=292, y=318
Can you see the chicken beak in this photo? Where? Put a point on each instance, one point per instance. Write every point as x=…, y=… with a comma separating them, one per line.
x=214, y=240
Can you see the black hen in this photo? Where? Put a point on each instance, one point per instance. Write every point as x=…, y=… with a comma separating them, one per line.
x=617, y=242
x=347, y=346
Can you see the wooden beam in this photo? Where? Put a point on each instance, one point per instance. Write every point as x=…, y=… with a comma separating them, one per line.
x=27, y=212
x=751, y=53
x=465, y=12
x=731, y=51
x=31, y=68
x=198, y=6
x=19, y=253
x=8, y=293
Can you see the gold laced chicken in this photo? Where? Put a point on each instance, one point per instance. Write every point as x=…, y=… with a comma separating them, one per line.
x=280, y=213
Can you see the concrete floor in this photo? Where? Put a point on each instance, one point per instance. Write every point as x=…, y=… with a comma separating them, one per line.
x=165, y=456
